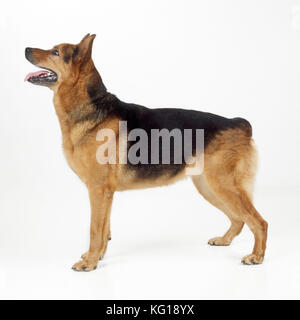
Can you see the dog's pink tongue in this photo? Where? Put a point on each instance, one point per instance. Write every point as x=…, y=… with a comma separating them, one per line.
x=34, y=74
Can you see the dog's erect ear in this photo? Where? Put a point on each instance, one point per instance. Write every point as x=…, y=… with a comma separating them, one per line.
x=84, y=48
x=86, y=36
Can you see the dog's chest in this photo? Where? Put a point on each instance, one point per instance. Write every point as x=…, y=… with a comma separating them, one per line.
x=75, y=158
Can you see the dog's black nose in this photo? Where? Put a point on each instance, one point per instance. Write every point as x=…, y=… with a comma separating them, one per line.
x=28, y=52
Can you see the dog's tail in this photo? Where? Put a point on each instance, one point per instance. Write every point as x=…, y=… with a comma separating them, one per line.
x=244, y=125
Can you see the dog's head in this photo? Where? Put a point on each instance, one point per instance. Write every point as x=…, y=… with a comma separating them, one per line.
x=63, y=63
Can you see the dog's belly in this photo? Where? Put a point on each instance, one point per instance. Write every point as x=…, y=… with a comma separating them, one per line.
x=130, y=180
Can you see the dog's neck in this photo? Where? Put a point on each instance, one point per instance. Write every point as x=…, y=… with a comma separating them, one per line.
x=77, y=93
x=79, y=102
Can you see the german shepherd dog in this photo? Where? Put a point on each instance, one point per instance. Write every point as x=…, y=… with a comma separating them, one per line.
x=84, y=106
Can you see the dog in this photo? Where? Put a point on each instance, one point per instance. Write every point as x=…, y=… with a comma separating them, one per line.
x=84, y=106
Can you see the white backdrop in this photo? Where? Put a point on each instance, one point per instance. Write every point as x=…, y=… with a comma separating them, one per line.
x=233, y=58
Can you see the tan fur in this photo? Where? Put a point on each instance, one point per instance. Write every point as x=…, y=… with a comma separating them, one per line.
x=227, y=183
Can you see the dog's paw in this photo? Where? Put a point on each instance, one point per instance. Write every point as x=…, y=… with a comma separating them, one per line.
x=84, y=256
x=252, y=259
x=219, y=241
x=85, y=265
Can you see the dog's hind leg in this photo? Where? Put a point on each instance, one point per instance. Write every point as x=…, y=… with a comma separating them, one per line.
x=229, y=173
x=236, y=223
x=238, y=201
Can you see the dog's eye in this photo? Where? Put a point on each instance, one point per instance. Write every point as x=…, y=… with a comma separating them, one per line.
x=55, y=52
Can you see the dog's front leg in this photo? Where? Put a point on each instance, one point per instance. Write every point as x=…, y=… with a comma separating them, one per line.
x=101, y=201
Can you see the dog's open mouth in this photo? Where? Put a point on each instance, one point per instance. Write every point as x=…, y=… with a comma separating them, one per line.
x=41, y=77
